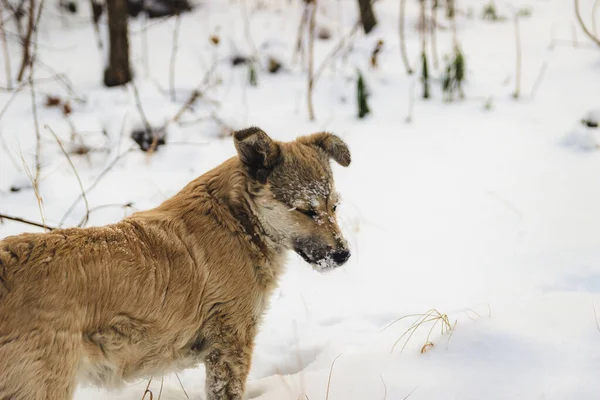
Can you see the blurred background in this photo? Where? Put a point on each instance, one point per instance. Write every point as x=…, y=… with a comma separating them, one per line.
x=472, y=204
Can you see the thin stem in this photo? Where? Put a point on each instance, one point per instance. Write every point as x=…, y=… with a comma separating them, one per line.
x=311, y=45
x=403, y=51
x=517, y=92
x=6, y=52
x=585, y=29
x=174, y=56
x=85, y=200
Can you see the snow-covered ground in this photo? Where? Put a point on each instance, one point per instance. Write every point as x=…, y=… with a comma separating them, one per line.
x=486, y=209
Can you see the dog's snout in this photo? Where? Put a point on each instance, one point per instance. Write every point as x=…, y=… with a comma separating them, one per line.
x=341, y=256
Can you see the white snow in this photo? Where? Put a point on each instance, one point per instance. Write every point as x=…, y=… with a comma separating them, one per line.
x=487, y=215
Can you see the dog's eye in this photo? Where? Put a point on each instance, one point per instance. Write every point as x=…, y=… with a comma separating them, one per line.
x=308, y=213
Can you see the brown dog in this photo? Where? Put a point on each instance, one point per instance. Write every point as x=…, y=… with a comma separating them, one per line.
x=168, y=288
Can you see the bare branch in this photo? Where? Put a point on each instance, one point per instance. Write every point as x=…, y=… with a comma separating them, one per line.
x=94, y=184
x=340, y=46
x=27, y=40
x=62, y=79
x=25, y=221
x=85, y=200
x=31, y=60
x=144, y=33
x=190, y=101
x=138, y=104
x=96, y=13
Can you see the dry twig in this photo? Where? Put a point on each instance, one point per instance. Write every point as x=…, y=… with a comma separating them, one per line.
x=432, y=315
x=25, y=61
x=25, y=221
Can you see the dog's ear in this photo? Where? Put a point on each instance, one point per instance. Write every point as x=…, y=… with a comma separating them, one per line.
x=257, y=151
x=331, y=144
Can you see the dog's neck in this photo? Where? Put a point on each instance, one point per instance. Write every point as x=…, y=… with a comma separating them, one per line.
x=231, y=193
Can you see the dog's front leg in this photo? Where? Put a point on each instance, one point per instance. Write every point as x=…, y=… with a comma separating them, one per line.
x=227, y=367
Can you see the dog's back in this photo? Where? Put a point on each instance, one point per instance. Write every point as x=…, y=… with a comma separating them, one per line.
x=79, y=300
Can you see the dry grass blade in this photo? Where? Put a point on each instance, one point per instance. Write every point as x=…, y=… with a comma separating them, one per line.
x=403, y=51
x=403, y=317
x=582, y=24
x=431, y=315
x=162, y=381
x=39, y=199
x=330, y=373
x=85, y=200
x=596, y=317
x=411, y=392
x=384, y=387
x=182, y=388
x=174, y=49
x=148, y=391
x=469, y=310
x=426, y=346
x=451, y=332
x=417, y=323
x=412, y=331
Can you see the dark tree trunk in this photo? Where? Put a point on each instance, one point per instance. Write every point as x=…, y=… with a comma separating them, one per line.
x=367, y=16
x=118, y=71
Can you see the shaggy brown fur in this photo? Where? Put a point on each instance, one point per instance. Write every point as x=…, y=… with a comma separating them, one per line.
x=168, y=288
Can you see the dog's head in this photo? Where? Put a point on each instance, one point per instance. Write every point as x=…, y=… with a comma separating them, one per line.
x=296, y=199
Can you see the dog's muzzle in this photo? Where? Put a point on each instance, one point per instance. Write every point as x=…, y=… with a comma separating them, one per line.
x=341, y=256
x=324, y=260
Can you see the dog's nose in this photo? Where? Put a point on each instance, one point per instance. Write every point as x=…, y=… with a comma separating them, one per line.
x=341, y=256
